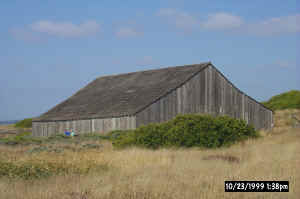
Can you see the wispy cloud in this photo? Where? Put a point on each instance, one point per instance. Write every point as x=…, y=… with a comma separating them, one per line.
x=125, y=32
x=66, y=29
x=223, y=21
x=180, y=19
x=276, y=25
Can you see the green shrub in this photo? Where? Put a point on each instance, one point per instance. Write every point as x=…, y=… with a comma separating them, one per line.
x=115, y=134
x=24, y=171
x=288, y=100
x=188, y=131
x=151, y=136
x=33, y=170
x=26, y=123
x=124, y=139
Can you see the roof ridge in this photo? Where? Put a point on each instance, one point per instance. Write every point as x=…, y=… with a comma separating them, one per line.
x=154, y=69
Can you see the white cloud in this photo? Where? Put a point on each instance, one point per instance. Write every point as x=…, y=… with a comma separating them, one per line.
x=66, y=29
x=276, y=25
x=125, y=32
x=180, y=19
x=222, y=21
x=184, y=20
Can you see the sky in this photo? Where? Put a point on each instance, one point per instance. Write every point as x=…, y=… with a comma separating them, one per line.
x=51, y=49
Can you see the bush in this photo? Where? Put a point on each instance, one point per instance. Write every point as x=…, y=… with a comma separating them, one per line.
x=188, y=131
x=123, y=139
x=41, y=169
x=288, y=100
x=115, y=134
x=26, y=123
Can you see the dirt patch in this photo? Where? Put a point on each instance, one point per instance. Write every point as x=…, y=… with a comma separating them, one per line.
x=227, y=158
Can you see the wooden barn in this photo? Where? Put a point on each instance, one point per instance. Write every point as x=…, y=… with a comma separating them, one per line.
x=127, y=101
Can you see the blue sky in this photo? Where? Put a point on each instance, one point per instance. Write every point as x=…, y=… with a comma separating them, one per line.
x=51, y=49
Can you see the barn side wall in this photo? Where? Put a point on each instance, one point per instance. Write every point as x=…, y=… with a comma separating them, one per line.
x=207, y=92
x=83, y=126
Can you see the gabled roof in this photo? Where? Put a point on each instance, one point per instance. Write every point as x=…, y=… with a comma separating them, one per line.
x=121, y=95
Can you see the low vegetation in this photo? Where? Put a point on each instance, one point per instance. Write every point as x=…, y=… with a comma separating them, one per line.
x=89, y=167
x=40, y=169
x=26, y=138
x=26, y=123
x=202, y=131
x=23, y=138
x=287, y=100
x=188, y=131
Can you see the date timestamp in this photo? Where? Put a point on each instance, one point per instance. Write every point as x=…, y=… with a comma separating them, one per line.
x=256, y=186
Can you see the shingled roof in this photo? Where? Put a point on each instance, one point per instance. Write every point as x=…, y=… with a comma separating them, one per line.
x=121, y=95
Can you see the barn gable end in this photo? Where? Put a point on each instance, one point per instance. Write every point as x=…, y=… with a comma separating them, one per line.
x=210, y=92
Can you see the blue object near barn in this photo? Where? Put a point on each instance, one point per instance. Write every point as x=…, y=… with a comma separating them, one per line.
x=67, y=133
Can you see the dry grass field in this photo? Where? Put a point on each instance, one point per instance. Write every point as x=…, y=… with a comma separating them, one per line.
x=103, y=172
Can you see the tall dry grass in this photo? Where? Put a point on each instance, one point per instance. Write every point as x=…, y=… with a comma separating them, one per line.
x=166, y=174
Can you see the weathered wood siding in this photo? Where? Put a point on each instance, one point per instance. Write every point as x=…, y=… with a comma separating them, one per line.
x=207, y=92
x=83, y=126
